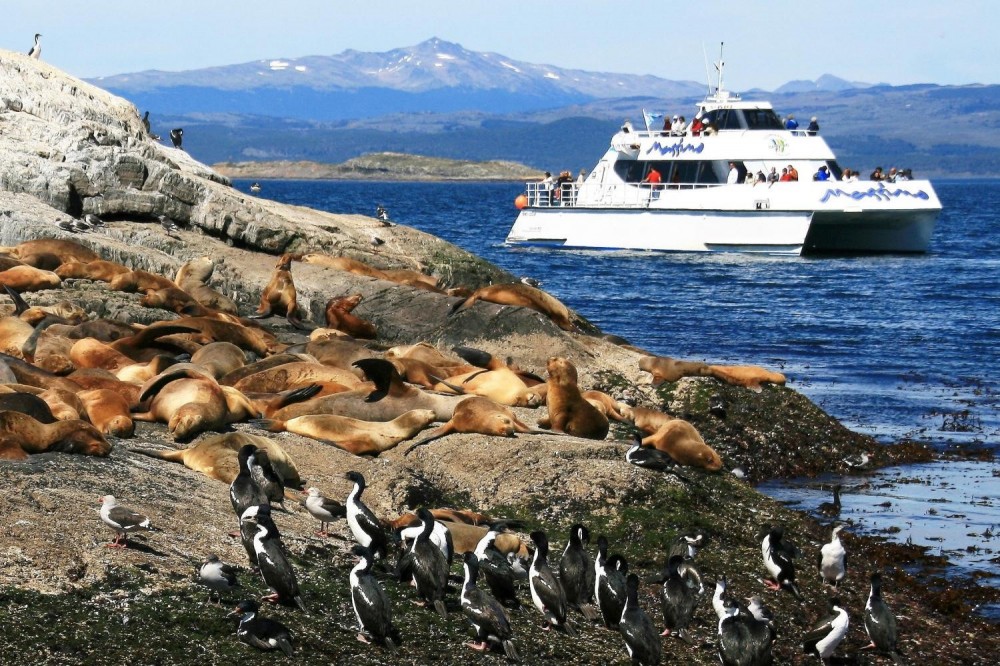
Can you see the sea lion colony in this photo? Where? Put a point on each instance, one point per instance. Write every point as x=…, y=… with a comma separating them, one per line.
x=72, y=382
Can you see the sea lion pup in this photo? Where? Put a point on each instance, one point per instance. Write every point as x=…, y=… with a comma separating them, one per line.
x=389, y=398
x=682, y=442
x=422, y=374
x=193, y=278
x=139, y=281
x=524, y=296
x=296, y=374
x=503, y=386
x=190, y=401
x=219, y=358
x=477, y=414
x=108, y=411
x=569, y=411
x=362, y=438
x=665, y=369
x=340, y=317
x=66, y=250
x=99, y=270
x=608, y=406
x=28, y=278
x=215, y=457
x=340, y=263
x=279, y=295
x=749, y=376
x=21, y=435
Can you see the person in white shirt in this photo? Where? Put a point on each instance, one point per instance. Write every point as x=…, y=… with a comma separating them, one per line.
x=734, y=174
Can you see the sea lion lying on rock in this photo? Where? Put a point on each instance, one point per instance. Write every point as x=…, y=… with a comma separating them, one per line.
x=477, y=414
x=750, y=376
x=677, y=438
x=362, y=438
x=21, y=435
x=666, y=369
x=520, y=295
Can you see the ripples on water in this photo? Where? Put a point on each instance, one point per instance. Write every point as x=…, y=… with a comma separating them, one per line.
x=892, y=346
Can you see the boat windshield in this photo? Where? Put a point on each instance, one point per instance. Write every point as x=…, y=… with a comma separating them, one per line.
x=743, y=119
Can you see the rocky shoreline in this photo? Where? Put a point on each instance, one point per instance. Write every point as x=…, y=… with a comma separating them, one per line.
x=68, y=149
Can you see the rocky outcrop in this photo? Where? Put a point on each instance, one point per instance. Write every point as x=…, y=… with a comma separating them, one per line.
x=390, y=166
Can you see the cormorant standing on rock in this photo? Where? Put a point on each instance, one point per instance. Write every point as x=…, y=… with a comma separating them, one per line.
x=36, y=50
x=641, y=641
x=261, y=632
x=880, y=623
x=824, y=638
x=177, y=137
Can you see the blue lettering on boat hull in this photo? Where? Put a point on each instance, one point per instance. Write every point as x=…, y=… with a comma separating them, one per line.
x=882, y=193
x=676, y=149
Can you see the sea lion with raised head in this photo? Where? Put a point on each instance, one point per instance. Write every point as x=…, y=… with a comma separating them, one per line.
x=21, y=435
x=521, y=295
x=362, y=438
x=569, y=411
x=193, y=278
x=279, y=297
x=339, y=316
x=682, y=442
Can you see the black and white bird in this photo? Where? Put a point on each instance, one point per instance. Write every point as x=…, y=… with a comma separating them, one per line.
x=371, y=605
x=275, y=568
x=832, y=508
x=757, y=608
x=546, y=592
x=366, y=528
x=744, y=640
x=576, y=573
x=859, y=461
x=649, y=457
x=496, y=568
x=248, y=530
x=719, y=597
x=261, y=632
x=145, y=121
x=169, y=226
x=88, y=222
x=383, y=215
x=486, y=615
x=832, y=559
x=323, y=509
x=440, y=537
x=217, y=576
x=678, y=600
x=778, y=557
x=36, y=50
x=376, y=242
x=636, y=627
x=123, y=521
x=426, y=565
x=67, y=225
x=530, y=281
x=687, y=546
x=177, y=137
x=822, y=640
x=609, y=584
x=267, y=478
x=243, y=491
x=880, y=623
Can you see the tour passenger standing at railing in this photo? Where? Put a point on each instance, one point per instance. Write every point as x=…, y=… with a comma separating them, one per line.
x=546, y=188
x=791, y=124
x=679, y=126
x=813, y=128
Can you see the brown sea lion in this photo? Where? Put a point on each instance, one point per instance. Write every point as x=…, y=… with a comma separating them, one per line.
x=423, y=351
x=219, y=358
x=63, y=312
x=338, y=353
x=569, y=411
x=233, y=376
x=340, y=264
x=340, y=317
x=362, y=438
x=524, y=296
x=464, y=516
x=665, y=369
x=503, y=386
x=66, y=250
x=477, y=414
x=173, y=299
x=193, y=278
x=139, y=281
x=215, y=457
x=322, y=333
x=682, y=442
x=28, y=278
x=21, y=435
x=64, y=405
x=100, y=270
x=649, y=420
x=294, y=375
x=249, y=338
x=423, y=374
x=108, y=411
x=14, y=332
x=26, y=403
x=28, y=374
x=750, y=376
x=91, y=378
x=91, y=353
x=51, y=353
x=191, y=402
x=413, y=279
x=608, y=406
x=279, y=297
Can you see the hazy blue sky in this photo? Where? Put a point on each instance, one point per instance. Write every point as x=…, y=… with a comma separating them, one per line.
x=768, y=42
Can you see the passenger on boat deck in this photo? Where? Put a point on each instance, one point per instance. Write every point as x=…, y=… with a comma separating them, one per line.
x=773, y=176
x=547, y=187
x=761, y=178
x=564, y=186
x=813, y=128
x=877, y=174
x=582, y=177
x=791, y=123
x=891, y=177
x=849, y=176
x=666, y=126
x=905, y=174
x=696, y=126
x=627, y=126
x=653, y=177
x=734, y=174
x=709, y=128
x=679, y=126
x=822, y=174
x=784, y=175
x=793, y=173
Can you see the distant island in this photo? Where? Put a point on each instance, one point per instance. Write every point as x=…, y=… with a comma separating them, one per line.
x=381, y=166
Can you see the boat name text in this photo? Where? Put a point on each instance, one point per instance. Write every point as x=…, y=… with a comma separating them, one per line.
x=676, y=149
x=881, y=192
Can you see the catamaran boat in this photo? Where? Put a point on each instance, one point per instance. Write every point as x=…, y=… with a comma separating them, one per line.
x=694, y=205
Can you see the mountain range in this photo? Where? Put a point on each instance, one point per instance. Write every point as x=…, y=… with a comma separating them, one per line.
x=439, y=99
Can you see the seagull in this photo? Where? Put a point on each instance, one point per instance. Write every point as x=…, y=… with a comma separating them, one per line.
x=323, y=509
x=177, y=137
x=67, y=225
x=217, y=576
x=169, y=226
x=93, y=220
x=122, y=521
x=376, y=241
x=531, y=282
x=36, y=50
x=859, y=461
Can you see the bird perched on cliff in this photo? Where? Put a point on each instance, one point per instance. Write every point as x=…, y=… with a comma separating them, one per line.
x=832, y=560
x=66, y=225
x=244, y=491
x=487, y=617
x=323, y=509
x=261, y=632
x=649, y=457
x=744, y=639
x=637, y=628
x=122, y=521
x=496, y=569
x=145, y=121
x=217, y=576
x=383, y=215
x=93, y=220
x=778, y=555
x=36, y=50
x=169, y=226
x=827, y=634
x=880, y=623
x=177, y=137
x=377, y=242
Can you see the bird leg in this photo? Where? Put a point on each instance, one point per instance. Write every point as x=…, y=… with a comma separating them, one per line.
x=771, y=585
x=665, y=632
x=481, y=647
x=271, y=598
x=322, y=533
x=121, y=541
x=364, y=639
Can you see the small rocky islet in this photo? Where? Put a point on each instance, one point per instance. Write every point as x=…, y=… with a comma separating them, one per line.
x=68, y=149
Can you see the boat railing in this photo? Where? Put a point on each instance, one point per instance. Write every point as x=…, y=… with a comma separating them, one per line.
x=618, y=195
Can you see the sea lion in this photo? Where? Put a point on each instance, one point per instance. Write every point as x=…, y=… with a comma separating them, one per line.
x=141, y=281
x=91, y=353
x=427, y=353
x=233, y=376
x=174, y=299
x=666, y=369
x=51, y=353
x=215, y=457
x=28, y=374
x=413, y=279
x=91, y=378
x=521, y=295
x=108, y=411
x=569, y=411
x=503, y=386
x=340, y=263
x=423, y=374
x=249, y=338
x=21, y=435
x=340, y=317
x=190, y=402
x=296, y=374
x=66, y=250
x=64, y=405
x=477, y=414
x=649, y=420
x=322, y=333
x=608, y=406
x=279, y=295
x=682, y=442
x=338, y=353
x=14, y=332
x=193, y=278
x=464, y=516
x=63, y=312
x=99, y=270
x=362, y=438
x=28, y=278
x=26, y=403
x=219, y=358
x=749, y=376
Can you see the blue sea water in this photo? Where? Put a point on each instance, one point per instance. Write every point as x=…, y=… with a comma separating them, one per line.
x=892, y=346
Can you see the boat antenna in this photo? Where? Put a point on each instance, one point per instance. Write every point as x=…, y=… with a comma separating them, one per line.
x=708, y=72
x=719, y=66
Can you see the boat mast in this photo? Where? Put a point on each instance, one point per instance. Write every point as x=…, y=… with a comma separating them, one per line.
x=719, y=65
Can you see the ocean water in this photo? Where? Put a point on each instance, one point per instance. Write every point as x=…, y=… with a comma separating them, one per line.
x=893, y=346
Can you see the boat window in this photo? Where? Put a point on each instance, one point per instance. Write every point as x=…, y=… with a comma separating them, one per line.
x=762, y=119
x=631, y=171
x=727, y=119
x=705, y=174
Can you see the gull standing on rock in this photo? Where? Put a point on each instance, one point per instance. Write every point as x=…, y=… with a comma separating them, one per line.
x=217, y=576
x=323, y=509
x=36, y=50
x=122, y=521
x=169, y=226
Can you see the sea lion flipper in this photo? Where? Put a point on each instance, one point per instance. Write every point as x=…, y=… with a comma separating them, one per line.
x=457, y=389
x=381, y=372
x=20, y=305
x=438, y=433
x=461, y=304
x=271, y=425
x=476, y=357
x=173, y=455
